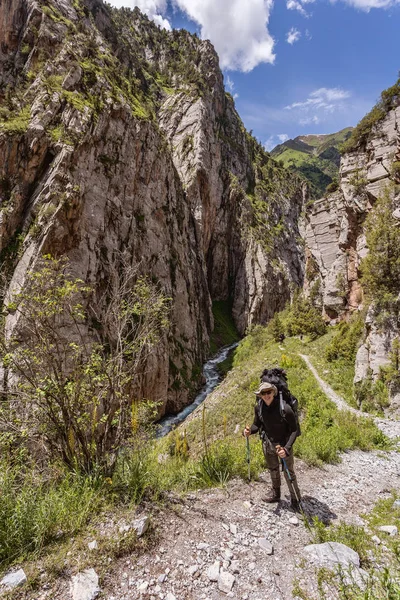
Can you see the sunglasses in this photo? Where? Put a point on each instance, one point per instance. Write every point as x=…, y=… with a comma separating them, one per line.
x=266, y=393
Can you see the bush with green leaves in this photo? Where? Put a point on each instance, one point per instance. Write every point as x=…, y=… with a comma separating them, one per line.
x=75, y=396
x=332, y=187
x=34, y=510
x=343, y=346
x=302, y=318
x=372, y=395
x=276, y=328
x=381, y=267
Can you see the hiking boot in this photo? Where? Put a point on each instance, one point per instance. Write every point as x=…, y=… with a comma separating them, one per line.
x=295, y=505
x=273, y=496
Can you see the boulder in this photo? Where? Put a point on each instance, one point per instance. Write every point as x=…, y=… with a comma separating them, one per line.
x=390, y=529
x=331, y=554
x=13, y=579
x=213, y=571
x=141, y=525
x=85, y=585
x=266, y=545
x=225, y=582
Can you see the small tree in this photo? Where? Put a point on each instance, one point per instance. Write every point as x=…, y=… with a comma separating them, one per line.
x=303, y=318
x=70, y=387
x=276, y=328
x=381, y=267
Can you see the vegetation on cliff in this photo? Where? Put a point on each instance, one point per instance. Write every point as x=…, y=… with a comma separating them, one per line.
x=381, y=267
x=66, y=392
x=390, y=98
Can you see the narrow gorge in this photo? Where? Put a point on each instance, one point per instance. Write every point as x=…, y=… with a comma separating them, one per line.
x=145, y=234
x=117, y=136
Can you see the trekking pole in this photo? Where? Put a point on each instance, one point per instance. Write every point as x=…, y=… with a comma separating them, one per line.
x=284, y=464
x=248, y=456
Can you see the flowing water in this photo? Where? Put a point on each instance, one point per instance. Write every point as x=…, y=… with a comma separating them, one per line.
x=212, y=378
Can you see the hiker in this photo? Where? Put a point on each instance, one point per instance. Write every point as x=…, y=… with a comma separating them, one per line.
x=278, y=434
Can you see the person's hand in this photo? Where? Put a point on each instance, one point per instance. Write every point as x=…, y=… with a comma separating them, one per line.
x=281, y=452
x=246, y=431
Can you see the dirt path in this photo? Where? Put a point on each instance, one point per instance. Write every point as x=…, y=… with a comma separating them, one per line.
x=389, y=427
x=221, y=529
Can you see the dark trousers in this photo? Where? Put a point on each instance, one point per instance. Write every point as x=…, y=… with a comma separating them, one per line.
x=274, y=466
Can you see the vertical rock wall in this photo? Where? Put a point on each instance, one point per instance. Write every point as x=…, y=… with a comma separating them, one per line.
x=102, y=154
x=336, y=241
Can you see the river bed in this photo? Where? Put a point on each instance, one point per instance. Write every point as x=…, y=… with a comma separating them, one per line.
x=212, y=378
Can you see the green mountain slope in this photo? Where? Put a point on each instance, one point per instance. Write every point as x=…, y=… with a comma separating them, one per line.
x=315, y=157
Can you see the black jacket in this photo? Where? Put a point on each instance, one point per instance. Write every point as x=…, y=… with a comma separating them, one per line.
x=279, y=430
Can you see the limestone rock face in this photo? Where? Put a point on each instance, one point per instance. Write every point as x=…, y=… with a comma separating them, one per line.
x=115, y=143
x=333, y=227
x=336, y=243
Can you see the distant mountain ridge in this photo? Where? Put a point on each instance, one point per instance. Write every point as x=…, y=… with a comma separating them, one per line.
x=315, y=157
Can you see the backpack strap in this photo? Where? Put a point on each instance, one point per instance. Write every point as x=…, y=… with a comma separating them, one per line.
x=282, y=405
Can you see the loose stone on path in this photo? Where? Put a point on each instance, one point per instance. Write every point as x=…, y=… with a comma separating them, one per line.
x=390, y=529
x=266, y=545
x=13, y=579
x=225, y=581
x=85, y=585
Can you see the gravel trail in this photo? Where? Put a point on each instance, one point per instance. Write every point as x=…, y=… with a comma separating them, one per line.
x=389, y=427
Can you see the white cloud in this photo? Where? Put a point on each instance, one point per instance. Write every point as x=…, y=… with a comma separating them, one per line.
x=154, y=9
x=229, y=83
x=310, y=121
x=237, y=29
x=275, y=140
x=161, y=22
x=293, y=36
x=294, y=5
x=366, y=5
x=326, y=99
x=270, y=143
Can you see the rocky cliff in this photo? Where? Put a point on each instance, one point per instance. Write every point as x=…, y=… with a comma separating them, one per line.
x=116, y=136
x=336, y=241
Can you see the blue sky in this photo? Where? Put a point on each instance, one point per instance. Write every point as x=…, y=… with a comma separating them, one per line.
x=294, y=66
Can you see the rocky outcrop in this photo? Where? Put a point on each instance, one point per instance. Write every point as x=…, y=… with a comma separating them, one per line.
x=334, y=225
x=336, y=243
x=118, y=136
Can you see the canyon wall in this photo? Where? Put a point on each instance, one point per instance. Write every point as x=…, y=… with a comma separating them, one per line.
x=117, y=136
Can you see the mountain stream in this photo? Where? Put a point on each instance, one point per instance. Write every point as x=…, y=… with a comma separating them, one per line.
x=212, y=378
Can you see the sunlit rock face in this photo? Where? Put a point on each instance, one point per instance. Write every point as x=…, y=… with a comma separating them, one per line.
x=116, y=136
x=336, y=244
x=334, y=225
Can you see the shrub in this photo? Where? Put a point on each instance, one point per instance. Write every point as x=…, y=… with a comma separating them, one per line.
x=332, y=187
x=75, y=394
x=343, y=345
x=372, y=396
x=395, y=171
x=302, y=318
x=34, y=511
x=276, y=328
x=17, y=123
x=381, y=267
x=358, y=181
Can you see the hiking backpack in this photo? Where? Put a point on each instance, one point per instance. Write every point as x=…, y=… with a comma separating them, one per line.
x=278, y=378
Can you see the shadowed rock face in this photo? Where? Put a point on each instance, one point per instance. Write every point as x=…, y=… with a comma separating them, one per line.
x=118, y=136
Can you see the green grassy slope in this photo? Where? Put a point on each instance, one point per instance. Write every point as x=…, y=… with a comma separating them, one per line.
x=315, y=157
